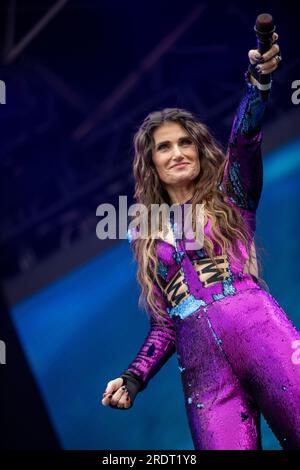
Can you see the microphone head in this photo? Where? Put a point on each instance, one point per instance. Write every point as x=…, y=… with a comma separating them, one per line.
x=264, y=23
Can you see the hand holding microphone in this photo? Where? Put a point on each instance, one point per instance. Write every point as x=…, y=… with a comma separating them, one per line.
x=266, y=58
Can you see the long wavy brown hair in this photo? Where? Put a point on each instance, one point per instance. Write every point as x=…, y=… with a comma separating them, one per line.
x=227, y=223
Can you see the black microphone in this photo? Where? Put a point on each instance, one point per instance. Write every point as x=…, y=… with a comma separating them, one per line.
x=264, y=28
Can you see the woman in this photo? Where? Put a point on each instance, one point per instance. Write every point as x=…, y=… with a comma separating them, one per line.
x=235, y=345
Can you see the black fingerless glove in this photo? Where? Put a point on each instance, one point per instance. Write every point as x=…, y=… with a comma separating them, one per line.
x=133, y=383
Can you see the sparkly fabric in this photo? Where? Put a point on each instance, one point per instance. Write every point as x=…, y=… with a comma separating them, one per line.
x=243, y=176
x=237, y=360
x=236, y=348
x=186, y=308
x=157, y=348
x=162, y=269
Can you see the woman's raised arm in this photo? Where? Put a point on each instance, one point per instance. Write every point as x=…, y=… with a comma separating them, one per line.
x=243, y=176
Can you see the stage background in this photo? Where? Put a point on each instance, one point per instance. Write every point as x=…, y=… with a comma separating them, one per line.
x=80, y=76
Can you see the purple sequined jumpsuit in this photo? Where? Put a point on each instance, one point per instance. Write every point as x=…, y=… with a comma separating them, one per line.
x=238, y=352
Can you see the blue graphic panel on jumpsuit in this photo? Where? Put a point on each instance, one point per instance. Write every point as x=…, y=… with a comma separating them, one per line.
x=84, y=329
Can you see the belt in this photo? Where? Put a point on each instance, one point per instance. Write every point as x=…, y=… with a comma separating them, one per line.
x=217, y=282
x=208, y=273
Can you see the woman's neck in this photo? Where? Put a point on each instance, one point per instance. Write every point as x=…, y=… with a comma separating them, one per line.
x=180, y=196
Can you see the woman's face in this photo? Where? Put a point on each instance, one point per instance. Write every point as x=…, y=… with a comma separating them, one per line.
x=175, y=155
